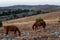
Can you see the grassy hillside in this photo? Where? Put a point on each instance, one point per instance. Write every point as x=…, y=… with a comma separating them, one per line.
x=25, y=25
x=47, y=16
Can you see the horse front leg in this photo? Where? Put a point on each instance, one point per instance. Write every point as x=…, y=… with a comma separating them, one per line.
x=15, y=33
x=35, y=28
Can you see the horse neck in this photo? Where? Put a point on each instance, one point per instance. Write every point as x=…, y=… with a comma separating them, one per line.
x=18, y=30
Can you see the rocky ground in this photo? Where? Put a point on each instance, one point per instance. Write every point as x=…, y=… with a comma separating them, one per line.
x=52, y=32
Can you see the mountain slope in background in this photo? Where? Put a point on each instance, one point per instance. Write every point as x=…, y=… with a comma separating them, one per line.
x=30, y=7
x=41, y=8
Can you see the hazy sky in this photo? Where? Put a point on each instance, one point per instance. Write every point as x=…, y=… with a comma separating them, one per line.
x=28, y=2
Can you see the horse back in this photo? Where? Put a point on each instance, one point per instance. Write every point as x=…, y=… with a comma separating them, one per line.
x=39, y=23
x=11, y=27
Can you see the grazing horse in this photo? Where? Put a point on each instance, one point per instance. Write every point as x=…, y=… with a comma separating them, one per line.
x=12, y=28
x=38, y=24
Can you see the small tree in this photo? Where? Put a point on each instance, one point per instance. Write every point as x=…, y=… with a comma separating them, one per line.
x=59, y=20
x=39, y=20
x=1, y=24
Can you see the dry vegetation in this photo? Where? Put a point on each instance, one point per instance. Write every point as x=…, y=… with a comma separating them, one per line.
x=25, y=25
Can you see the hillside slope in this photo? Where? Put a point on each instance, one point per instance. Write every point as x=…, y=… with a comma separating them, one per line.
x=47, y=16
x=27, y=26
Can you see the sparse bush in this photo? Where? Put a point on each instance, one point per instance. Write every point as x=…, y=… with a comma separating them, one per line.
x=59, y=20
x=23, y=39
x=1, y=24
x=39, y=20
x=34, y=38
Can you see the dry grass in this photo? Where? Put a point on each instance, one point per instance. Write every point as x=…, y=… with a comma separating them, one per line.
x=25, y=25
x=47, y=16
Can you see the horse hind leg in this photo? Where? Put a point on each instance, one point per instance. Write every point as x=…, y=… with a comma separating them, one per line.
x=44, y=27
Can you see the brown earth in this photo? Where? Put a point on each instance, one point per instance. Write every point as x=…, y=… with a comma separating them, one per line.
x=47, y=16
x=25, y=24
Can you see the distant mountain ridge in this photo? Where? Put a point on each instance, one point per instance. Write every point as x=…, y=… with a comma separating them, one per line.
x=30, y=6
x=19, y=11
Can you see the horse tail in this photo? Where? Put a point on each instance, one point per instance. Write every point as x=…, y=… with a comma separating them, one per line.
x=19, y=32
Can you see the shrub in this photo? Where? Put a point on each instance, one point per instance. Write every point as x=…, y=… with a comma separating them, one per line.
x=1, y=24
x=59, y=20
x=39, y=20
x=24, y=39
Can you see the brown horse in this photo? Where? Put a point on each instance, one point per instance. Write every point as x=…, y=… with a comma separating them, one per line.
x=38, y=24
x=12, y=28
